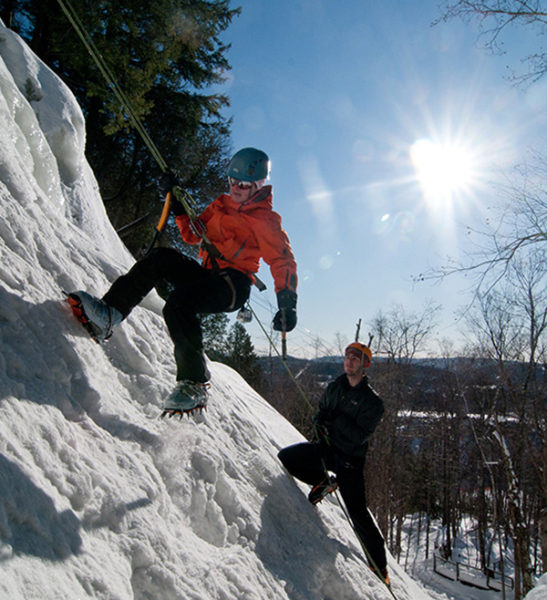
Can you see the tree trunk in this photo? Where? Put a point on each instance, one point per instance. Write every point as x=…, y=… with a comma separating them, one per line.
x=7, y=13
x=398, y=536
x=519, y=530
x=427, y=531
x=482, y=518
x=543, y=513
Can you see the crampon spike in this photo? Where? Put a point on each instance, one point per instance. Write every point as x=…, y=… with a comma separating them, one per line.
x=180, y=413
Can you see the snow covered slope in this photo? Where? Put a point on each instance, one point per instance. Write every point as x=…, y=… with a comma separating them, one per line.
x=98, y=497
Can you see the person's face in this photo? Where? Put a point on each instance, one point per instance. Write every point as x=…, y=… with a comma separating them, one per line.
x=353, y=363
x=241, y=191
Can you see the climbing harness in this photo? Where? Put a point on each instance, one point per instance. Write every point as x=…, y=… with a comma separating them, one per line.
x=180, y=194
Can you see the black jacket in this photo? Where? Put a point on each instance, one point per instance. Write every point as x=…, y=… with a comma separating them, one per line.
x=349, y=415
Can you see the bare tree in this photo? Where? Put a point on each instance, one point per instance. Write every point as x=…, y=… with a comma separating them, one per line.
x=495, y=16
x=400, y=334
x=341, y=341
x=523, y=221
x=511, y=320
x=518, y=525
x=517, y=230
x=509, y=324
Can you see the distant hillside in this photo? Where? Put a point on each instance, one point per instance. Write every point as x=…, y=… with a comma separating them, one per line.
x=423, y=377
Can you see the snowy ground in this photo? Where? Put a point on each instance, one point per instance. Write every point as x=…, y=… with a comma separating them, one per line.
x=99, y=498
x=418, y=562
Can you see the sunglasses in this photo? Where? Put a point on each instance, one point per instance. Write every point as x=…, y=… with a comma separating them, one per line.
x=242, y=185
x=355, y=353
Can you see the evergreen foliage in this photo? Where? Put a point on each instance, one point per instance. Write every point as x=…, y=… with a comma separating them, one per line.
x=232, y=347
x=214, y=328
x=166, y=56
x=241, y=355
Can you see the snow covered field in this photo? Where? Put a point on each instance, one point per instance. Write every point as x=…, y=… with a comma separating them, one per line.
x=465, y=553
x=98, y=497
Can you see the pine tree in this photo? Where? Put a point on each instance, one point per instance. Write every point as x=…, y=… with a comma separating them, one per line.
x=214, y=328
x=164, y=55
x=241, y=355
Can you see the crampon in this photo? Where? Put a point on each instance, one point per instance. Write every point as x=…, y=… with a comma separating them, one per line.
x=177, y=412
x=77, y=310
x=322, y=490
x=186, y=398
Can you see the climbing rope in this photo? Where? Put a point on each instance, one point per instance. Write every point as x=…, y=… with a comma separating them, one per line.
x=327, y=474
x=186, y=200
x=88, y=42
x=182, y=195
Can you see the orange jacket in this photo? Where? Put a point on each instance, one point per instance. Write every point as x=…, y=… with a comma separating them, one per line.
x=243, y=234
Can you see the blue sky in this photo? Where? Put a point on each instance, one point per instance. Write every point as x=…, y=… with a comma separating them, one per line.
x=338, y=94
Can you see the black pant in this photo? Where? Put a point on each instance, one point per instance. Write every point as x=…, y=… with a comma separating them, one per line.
x=308, y=462
x=196, y=290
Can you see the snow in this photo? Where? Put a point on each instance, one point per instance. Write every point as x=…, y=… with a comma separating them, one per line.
x=540, y=590
x=99, y=497
x=419, y=561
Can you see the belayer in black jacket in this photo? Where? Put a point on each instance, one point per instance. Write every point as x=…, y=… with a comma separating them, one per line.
x=348, y=414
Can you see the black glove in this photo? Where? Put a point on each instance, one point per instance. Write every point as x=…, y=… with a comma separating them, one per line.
x=177, y=208
x=320, y=434
x=285, y=318
x=166, y=183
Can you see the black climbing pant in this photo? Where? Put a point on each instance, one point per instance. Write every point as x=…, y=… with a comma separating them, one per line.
x=309, y=463
x=195, y=290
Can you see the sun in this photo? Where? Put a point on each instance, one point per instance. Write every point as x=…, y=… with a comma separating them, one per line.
x=442, y=169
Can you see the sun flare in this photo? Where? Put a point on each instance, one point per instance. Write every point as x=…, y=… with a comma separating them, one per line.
x=442, y=170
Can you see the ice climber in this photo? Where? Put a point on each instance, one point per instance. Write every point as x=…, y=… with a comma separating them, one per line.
x=348, y=413
x=241, y=228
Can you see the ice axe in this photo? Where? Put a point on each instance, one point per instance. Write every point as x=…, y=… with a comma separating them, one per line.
x=161, y=223
x=283, y=336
